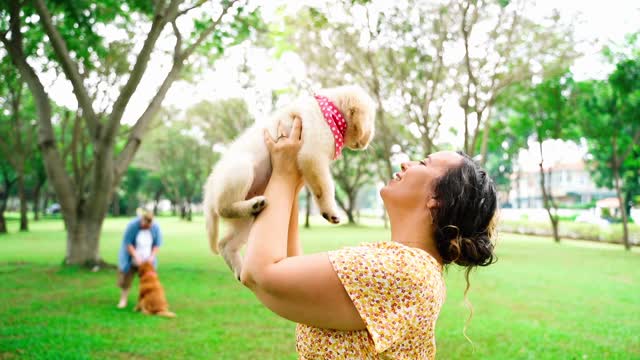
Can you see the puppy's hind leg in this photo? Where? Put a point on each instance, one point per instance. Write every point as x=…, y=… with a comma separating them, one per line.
x=232, y=202
x=244, y=208
x=232, y=242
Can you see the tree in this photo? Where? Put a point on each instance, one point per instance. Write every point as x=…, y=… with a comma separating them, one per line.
x=8, y=179
x=67, y=31
x=610, y=121
x=180, y=150
x=221, y=120
x=351, y=173
x=181, y=161
x=342, y=51
x=38, y=182
x=503, y=147
x=543, y=112
x=132, y=184
x=17, y=131
x=154, y=190
x=513, y=50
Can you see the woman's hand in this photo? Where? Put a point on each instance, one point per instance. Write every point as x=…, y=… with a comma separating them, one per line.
x=284, y=152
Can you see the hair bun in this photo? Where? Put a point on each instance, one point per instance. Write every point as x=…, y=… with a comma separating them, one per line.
x=472, y=251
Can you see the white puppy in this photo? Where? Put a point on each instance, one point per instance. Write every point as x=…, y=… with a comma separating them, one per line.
x=235, y=187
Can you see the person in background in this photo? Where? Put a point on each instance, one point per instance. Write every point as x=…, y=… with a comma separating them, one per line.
x=141, y=242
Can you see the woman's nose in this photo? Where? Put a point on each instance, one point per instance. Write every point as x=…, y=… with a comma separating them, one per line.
x=404, y=166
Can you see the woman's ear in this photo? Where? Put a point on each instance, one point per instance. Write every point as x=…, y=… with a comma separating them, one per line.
x=432, y=203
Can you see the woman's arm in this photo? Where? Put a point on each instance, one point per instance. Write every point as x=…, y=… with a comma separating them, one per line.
x=294, y=248
x=304, y=289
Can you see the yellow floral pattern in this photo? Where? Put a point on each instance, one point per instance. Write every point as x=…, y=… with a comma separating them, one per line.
x=398, y=291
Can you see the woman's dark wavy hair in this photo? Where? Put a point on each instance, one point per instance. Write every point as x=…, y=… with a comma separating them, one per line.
x=465, y=218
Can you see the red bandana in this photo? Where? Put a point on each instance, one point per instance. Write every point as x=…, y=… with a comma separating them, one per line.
x=336, y=122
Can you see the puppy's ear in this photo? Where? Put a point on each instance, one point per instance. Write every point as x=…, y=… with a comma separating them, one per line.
x=352, y=111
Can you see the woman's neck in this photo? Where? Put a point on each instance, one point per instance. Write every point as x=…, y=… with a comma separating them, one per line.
x=412, y=228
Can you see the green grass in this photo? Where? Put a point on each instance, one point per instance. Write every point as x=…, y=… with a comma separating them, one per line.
x=574, y=300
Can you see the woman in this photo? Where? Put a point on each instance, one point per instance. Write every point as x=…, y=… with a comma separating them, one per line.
x=378, y=300
x=141, y=243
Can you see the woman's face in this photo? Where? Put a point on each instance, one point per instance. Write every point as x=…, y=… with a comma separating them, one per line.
x=413, y=186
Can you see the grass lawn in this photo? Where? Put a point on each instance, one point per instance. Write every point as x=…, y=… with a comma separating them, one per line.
x=573, y=300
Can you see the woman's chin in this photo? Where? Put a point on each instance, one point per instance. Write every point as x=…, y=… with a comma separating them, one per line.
x=384, y=190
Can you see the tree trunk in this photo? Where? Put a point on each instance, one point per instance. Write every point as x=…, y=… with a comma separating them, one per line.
x=547, y=198
x=485, y=142
x=132, y=205
x=156, y=202
x=623, y=208
x=307, y=208
x=22, y=195
x=189, y=218
x=3, y=205
x=83, y=236
x=3, y=223
x=518, y=193
x=350, y=209
x=183, y=210
x=45, y=202
x=115, y=204
x=352, y=220
x=36, y=201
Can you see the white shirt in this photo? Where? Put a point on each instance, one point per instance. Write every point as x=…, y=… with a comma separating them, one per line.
x=144, y=242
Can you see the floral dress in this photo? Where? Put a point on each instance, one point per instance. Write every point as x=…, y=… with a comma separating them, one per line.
x=398, y=291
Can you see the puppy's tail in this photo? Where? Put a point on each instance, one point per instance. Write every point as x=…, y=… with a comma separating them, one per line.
x=211, y=220
x=166, y=313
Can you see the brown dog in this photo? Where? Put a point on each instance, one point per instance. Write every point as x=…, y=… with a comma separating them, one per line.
x=151, y=300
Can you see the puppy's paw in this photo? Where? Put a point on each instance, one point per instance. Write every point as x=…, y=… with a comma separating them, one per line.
x=259, y=203
x=334, y=219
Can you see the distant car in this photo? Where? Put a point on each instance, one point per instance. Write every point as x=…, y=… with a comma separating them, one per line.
x=53, y=209
x=590, y=218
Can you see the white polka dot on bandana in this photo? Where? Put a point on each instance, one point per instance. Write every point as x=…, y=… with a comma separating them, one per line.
x=335, y=120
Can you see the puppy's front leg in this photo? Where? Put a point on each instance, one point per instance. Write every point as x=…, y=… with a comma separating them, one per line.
x=317, y=175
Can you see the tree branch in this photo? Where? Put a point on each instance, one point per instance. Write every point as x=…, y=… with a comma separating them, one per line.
x=177, y=48
x=69, y=67
x=139, y=68
x=140, y=127
x=196, y=5
x=205, y=34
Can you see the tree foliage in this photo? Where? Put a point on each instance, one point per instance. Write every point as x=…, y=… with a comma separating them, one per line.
x=75, y=38
x=610, y=122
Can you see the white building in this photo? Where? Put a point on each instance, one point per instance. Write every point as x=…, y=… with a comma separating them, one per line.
x=569, y=183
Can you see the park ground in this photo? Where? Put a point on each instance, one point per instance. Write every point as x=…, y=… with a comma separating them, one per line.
x=542, y=300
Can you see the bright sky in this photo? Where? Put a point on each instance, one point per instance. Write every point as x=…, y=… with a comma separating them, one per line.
x=600, y=23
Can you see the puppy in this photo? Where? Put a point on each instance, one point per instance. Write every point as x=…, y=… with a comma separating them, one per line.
x=335, y=117
x=151, y=300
